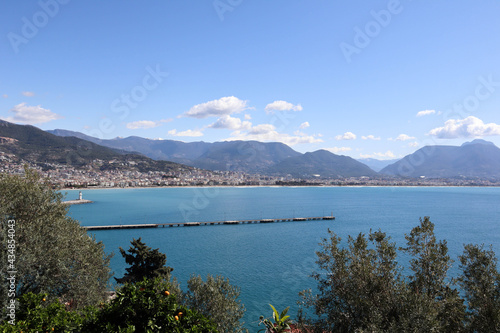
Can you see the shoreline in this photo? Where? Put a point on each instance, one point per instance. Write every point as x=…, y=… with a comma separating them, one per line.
x=274, y=186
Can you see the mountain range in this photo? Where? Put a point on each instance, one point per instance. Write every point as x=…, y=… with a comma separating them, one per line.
x=271, y=158
x=476, y=159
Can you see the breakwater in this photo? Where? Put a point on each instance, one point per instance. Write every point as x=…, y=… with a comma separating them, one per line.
x=196, y=224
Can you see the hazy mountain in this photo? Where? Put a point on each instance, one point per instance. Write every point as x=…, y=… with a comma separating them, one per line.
x=322, y=163
x=375, y=164
x=34, y=145
x=478, y=158
x=246, y=156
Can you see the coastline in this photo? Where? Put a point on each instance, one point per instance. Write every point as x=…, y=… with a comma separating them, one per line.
x=272, y=186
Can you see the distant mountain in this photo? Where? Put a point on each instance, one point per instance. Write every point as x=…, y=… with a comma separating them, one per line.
x=322, y=163
x=246, y=156
x=34, y=145
x=476, y=159
x=376, y=165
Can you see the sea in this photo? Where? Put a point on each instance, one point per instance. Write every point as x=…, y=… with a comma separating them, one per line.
x=271, y=263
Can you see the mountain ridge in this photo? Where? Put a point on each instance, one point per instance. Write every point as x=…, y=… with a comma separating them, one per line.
x=273, y=158
x=475, y=159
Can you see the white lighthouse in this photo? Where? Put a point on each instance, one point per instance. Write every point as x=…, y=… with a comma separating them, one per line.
x=80, y=196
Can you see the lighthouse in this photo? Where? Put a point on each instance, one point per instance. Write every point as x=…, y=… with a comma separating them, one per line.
x=80, y=196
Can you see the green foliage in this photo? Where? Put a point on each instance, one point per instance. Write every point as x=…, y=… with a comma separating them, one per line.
x=444, y=310
x=280, y=324
x=217, y=299
x=148, y=306
x=53, y=254
x=40, y=313
x=481, y=283
x=144, y=263
x=361, y=287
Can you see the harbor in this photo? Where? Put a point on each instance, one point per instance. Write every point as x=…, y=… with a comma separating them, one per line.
x=196, y=224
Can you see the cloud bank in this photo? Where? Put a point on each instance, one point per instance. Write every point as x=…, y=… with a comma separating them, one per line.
x=217, y=108
x=282, y=106
x=465, y=128
x=31, y=115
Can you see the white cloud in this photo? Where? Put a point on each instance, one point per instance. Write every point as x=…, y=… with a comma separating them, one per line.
x=268, y=133
x=232, y=123
x=248, y=117
x=262, y=129
x=28, y=93
x=304, y=125
x=370, y=137
x=346, y=136
x=413, y=144
x=425, y=113
x=217, y=108
x=465, y=128
x=31, y=114
x=404, y=137
x=191, y=133
x=282, y=106
x=387, y=155
x=145, y=124
x=336, y=150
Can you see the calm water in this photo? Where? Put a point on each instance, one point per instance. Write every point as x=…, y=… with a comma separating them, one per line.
x=271, y=263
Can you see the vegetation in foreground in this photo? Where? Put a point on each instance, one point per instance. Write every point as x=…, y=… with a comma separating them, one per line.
x=62, y=278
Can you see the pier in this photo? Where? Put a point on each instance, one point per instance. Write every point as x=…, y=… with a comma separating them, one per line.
x=197, y=224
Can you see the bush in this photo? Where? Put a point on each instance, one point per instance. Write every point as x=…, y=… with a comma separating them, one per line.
x=148, y=306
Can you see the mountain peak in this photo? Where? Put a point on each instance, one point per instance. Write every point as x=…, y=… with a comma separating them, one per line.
x=478, y=142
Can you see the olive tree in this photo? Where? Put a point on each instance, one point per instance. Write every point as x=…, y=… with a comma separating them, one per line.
x=361, y=287
x=53, y=254
x=217, y=299
x=480, y=282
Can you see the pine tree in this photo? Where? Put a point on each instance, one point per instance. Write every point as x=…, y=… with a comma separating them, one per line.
x=144, y=263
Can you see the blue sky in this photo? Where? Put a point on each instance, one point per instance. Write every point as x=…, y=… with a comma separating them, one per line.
x=360, y=78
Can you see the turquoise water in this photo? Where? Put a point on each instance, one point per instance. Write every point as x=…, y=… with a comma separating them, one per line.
x=271, y=263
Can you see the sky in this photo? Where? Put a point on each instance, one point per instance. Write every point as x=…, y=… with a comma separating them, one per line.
x=366, y=79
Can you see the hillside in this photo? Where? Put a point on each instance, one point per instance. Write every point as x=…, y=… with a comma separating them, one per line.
x=324, y=164
x=246, y=156
x=476, y=159
x=31, y=144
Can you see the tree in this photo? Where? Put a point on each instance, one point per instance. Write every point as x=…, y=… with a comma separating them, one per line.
x=148, y=306
x=144, y=263
x=217, y=299
x=432, y=302
x=360, y=287
x=480, y=282
x=53, y=254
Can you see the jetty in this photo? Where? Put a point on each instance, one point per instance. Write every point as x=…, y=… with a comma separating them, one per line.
x=197, y=224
